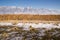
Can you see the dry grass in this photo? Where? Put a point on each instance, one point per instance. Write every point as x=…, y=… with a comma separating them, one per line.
x=15, y=18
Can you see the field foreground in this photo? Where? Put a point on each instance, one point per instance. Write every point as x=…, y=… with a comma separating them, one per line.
x=29, y=31
x=35, y=27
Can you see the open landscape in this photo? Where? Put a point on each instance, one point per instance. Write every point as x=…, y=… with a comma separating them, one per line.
x=29, y=19
x=29, y=27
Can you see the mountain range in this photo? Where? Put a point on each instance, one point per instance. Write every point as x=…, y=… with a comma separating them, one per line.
x=27, y=10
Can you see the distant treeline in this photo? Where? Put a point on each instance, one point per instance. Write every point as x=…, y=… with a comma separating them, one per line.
x=30, y=17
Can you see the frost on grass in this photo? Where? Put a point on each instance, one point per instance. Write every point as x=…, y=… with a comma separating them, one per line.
x=30, y=31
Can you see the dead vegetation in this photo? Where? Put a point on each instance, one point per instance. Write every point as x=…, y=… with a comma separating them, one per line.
x=29, y=17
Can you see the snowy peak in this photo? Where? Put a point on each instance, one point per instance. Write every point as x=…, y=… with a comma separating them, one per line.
x=30, y=10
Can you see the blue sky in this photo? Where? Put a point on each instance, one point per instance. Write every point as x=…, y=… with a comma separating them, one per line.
x=50, y=4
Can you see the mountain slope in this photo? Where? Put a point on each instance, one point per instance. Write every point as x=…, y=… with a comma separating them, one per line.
x=27, y=10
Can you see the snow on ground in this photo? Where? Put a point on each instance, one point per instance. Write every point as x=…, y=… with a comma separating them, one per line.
x=59, y=24
x=5, y=24
x=26, y=26
x=19, y=24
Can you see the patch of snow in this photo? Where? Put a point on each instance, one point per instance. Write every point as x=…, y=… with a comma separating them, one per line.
x=6, y=24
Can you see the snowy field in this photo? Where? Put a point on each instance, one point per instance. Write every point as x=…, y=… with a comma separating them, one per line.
x=29, y=31
x=34, y=25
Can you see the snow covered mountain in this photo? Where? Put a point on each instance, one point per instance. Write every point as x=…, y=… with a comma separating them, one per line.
x=30, y=10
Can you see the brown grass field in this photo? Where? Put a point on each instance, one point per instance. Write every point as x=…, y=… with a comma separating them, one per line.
x=29, y=18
